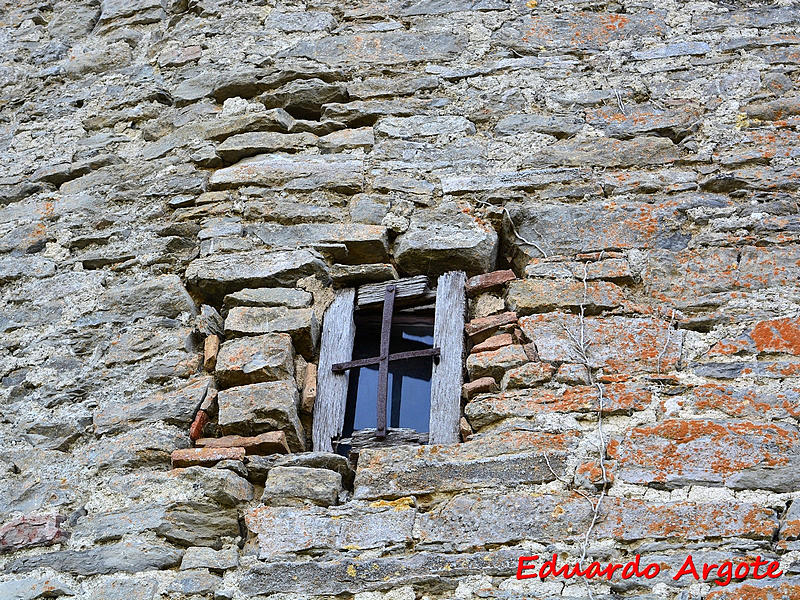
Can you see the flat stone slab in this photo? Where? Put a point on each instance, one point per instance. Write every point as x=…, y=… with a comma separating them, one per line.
x=499, y=459
x=205, y=457
x=300, y=323
x=735, y=454
x=268, y=357
x=262, y=407
x=216, y=275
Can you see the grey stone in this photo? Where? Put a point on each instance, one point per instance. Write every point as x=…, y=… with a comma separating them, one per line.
x=139, y=448
x=31, y=588
x=220, y=485
x=291, y=485
x=129, y=557
x=347, y=275
x=424, y=126
x=301, y=21
x=559, y=127
x=176, y=408
x=342, y=173
x=300, y=323
x=111, y=526
x=347, y=139
x=373, y=87
x=13, y=268
x=218, y=275
x=362, y=243
x=503, y=458
x=527, y=179
x=305, y=96
x=206, y=558
x=259, y=142
x=673, y=50
x=390, y=48
x=259, y=466
x=254, y=409
x=198, y=524
x=268, y=357
x=446, y=240
x=608, y=152
x=320, y=460
x=162, y=296
x=354, y=526
x=288, y=297
x=194, y=582
x=125, y=589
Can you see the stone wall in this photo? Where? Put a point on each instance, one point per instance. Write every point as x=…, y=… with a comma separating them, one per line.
x=185, y=182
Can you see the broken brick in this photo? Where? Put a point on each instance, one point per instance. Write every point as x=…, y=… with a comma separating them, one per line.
x=29, y=531
x=488, y=281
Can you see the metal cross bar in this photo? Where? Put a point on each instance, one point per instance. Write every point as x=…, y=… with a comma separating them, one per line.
x=384, y=358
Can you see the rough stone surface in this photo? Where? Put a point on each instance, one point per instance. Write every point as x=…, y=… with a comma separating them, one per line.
x=261, y=407
x=170, y=164
x=256, y=359
x=285, y=485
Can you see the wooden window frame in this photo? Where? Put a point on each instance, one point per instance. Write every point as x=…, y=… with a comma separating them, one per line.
x=336, y=347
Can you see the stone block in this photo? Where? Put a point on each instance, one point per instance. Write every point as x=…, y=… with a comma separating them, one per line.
x=348, y=243
x=618, y=398
x=288, y=297
x=206, y=457
x=262, y=407
x=735, y=454
x=243, y=145
x=617, y=344
x=444, y=240
x=342, y=173
x=528, y=296
x=29, y=531
x=642, y=119
x=216, y=275
x=320, y=460
x=777, y=336
x=528, y=375
x=128, y=557
x=197, y=582
x=32, y=588
x=347, y=139
x=201, y=557
x=424, y=126
x=387, y=48
x=354, y=526
x=293, y=485
x=488, y=281
x=483, y=325
x=300, y=323
x=198, y=524
x=220, y=485
x=514, y=457
x=271, y=442
x=494, y=363
x=268, y=357
x=174, y=408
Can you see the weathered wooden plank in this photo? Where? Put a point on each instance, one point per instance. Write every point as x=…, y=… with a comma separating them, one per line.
x=447, y=375
x=338, y=334
x=411, y=287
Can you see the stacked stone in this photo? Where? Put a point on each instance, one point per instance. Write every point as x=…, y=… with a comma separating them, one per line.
x=619, y=179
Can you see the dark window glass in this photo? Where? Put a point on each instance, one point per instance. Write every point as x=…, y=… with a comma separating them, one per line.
x=409, y=389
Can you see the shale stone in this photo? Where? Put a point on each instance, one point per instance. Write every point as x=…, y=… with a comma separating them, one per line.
x=289, y=485
x=300, y=323
x=288, y=297
x=268, y=357
x=254, y=409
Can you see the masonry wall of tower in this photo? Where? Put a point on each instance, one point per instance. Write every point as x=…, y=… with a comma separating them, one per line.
x=186, y=184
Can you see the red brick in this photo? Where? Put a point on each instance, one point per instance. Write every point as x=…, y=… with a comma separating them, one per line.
x=479, y=386
x=735, y=454
x=271, y=442
x=205, y=457
x=199, y=423
x=488, y=281
x=484, y=324
x=29, y=531
x=493, y=343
